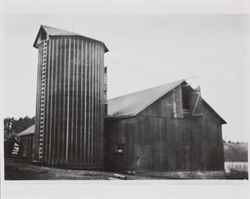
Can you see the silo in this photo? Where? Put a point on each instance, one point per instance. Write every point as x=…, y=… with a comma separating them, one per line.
x=70, y=101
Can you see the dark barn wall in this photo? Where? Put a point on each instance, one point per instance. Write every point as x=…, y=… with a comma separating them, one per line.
x=120, y=131
x=70, y=105
x=164, y=140
x=169, y=144
x=213, y=143
x=157, y=133
x=26, y=146
x=151, y=148
x=180, y=143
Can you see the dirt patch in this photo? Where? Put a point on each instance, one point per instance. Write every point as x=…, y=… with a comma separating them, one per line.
x=21, y=170
x=187, y=175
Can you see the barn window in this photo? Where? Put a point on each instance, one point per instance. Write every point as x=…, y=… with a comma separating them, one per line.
x=119, y=148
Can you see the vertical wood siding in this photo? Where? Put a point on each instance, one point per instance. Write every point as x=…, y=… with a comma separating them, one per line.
x=26, y=146
x=120, y=132
x=159, y=141
x=74, y=98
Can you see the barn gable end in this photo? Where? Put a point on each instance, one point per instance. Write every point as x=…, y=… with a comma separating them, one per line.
x=168, y=134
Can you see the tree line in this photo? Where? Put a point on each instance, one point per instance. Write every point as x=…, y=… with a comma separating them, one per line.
x=14, y=126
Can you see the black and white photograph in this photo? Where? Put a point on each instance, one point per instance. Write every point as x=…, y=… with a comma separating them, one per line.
x=125, y=98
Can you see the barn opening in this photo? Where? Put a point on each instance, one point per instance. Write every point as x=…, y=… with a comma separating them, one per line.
x=185, y=100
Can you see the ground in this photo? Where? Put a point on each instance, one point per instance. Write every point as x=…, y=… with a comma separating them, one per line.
x=21, y=170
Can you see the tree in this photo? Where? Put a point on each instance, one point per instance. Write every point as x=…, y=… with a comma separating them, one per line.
x=23, y=123
x=8, y=127
x=12, y=125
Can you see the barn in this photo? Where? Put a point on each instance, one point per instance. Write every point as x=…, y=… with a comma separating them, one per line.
x=26, y=141
x=165, y=128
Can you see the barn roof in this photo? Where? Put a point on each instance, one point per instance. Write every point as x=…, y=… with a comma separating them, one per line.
x=30, y=130
x=132, y=104
x=51, y=31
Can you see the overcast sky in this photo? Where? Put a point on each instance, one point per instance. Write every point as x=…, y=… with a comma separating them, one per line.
x=144, y=51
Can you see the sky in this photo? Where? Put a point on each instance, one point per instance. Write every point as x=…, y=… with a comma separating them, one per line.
x=145, y=50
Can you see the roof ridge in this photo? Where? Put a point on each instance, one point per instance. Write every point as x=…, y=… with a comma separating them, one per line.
x=133, y=103
x=29, y=130
x=46, y=26
x=140, y=91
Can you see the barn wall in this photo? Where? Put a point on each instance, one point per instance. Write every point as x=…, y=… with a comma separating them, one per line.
x=213, y=143
x=159, y=140
x=70, y=129
x=159, y=133
x=172, y=143
x=163, y=142
x=26, y=146
x=154, y=143
x=151, y=148
x=179, y=144
x=168, y=144
x=120, y=131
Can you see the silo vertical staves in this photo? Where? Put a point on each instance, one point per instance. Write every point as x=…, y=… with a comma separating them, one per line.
x=70, y=107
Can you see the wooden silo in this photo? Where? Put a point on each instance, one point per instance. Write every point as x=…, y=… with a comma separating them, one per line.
x=70, y=99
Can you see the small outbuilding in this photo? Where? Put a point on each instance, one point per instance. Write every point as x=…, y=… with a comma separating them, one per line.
x=26, y=142
x=165, y=128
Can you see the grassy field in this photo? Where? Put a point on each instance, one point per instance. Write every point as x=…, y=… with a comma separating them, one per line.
x=236, y=152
